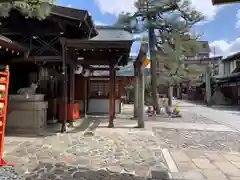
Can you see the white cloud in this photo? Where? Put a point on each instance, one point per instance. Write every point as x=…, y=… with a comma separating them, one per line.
x=69, y=5
x=225, y=48
x=238, y=19
x=100, y=23
x=117, y=6
x=206, y=8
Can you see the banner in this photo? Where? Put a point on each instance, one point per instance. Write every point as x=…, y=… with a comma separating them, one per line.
x=146, y=62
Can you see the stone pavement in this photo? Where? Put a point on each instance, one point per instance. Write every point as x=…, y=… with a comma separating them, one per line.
x=227, y=118
x=88, y=153
x=195, y=147
x=199, y=147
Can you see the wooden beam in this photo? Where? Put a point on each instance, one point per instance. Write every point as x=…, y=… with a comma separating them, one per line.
x=38, y=59
x=102, y=69
x=96, y=62
x=92, y=44
x=10, y=32
x=100, y=55
x=58, y=59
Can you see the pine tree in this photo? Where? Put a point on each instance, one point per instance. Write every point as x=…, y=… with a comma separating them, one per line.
x=30, y=8
x=168, y=18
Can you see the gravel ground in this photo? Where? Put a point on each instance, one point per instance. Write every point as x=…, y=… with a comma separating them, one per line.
x=205, y=140
x=187, y=117
x=108, y=154
x=9, y=173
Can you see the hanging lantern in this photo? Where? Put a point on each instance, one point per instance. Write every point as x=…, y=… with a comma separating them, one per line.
x=86, y=73
x=78, y=69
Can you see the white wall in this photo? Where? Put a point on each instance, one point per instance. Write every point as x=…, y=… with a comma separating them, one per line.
x=102, y=106
x=232, y=66
x=226, y=68
x=221, y=69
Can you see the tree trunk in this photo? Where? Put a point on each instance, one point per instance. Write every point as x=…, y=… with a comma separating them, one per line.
x=170, y=95
x=179, y=91
x=153, y=66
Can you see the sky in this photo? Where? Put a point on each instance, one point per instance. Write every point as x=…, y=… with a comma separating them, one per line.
x=221, y=27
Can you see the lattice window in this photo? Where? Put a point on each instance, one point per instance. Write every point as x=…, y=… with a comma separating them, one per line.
x=117, y=88
x=101, y=89
x=238, y=64
x=98, y=89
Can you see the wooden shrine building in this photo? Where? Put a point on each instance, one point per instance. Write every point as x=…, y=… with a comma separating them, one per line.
x=58, y=47
x=99, y=92
x=51, y=57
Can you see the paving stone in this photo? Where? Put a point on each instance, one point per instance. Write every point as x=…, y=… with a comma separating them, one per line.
x=236, y=164
x=215, y=156
x=142, y=171
x=203, y=163
x=115, y=168
x=177, y=176
x=191, y=175
x=179, y=156
x=228, y=168
x=195, y=154
x=213, y=174
x=234, y=178
x=232, y=157
x=186, y=166
x=199, y=139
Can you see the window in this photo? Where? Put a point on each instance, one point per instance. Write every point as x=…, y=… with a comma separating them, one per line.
x=158, y=65
x=190, y=58
x=204, y=46
x=238, y=64
x=226, y=68
x=101, y=88
x=215, y=70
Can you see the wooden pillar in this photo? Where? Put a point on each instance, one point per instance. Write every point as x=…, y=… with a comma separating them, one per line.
x=85, y=96
x=111, y=96
x=136, y=89
x=114, y=93
x=141, y=93
x=88, y=93
x=208, y=85
x=71, y=92
x=64, y=85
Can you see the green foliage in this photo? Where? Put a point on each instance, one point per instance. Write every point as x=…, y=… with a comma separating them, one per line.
x=30, y=8
x=172, y=21
x=172, y=60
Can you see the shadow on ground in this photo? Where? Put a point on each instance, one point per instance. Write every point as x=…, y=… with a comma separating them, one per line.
x=61, y=171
